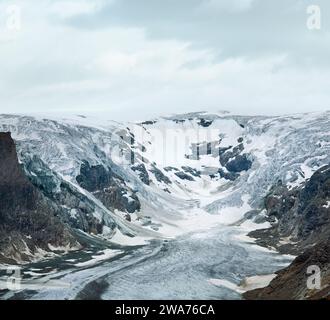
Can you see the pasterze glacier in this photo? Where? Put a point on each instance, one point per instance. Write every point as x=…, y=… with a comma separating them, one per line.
x=188, y=206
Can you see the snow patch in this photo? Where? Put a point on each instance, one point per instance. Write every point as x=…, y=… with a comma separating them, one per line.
x=120, y=238
x=106, y=254
x=327, y=205
x=250, y=283
x=256, y=282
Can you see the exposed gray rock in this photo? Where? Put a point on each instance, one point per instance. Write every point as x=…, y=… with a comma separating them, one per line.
x=232, y=176
x=75, y=208
x=301, y=225
x=168, y=169
x=108, y=187
x=160, y=176
x=205, y=123
x=230, y=154
x=93, y=178
x=192, y=171
x=300, y=214
x=291, y=282
x=28, y=221
x=142, y=173
x=184, y=176
x=149, y=122
x=239, y=164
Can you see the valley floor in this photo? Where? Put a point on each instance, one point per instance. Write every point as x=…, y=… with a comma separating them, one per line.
x=188, y=267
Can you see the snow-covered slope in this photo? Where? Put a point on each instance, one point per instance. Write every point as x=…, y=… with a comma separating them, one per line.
x=169, y=175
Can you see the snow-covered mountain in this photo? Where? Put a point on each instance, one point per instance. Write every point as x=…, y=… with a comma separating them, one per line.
x=129, y=182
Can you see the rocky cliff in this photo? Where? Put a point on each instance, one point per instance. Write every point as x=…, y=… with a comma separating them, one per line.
x=108, y=187
x=300, y=220
x=291, y=282
x=29, y=225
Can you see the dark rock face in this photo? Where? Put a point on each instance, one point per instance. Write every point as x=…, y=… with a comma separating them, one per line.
x=239, y=164
x=205, y=123
x=184, y=176
x=160, y=176
x=301, y=215
x=291, y=282
x=222, y=150
x=179, y=120
x=234, y=160
x=226, y=156
x=192, y=171
x=93, y=178
x=28, y=221
x=312, y=202
x=168, y=169
x=76, y=210
x=149, y=122
x=114, y=198
x=187, y=174
x=108, y=187
x=142, y=172
x=232, y=176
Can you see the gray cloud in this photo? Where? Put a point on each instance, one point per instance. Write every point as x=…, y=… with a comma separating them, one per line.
x=261, y=28
x=138, y=59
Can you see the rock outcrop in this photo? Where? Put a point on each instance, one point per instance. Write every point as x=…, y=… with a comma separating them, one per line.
x=108, y=187
x=75, y=209
x=291, y=282
x=28, y=221
x=300, y=220
x=300, y=217
x=142, y=173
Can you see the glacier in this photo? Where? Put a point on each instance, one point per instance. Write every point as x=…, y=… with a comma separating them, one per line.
x=199, y=179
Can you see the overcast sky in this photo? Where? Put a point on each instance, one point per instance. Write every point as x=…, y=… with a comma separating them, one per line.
x=136, y=59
